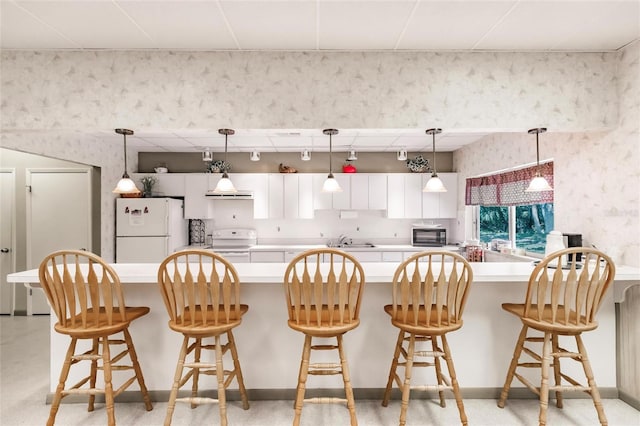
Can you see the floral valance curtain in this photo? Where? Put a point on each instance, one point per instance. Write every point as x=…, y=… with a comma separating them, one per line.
x=508, y=188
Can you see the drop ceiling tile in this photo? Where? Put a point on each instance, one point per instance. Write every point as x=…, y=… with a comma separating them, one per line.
x=272, y=25
x=362, y=25
x=451, y=24
x=19, y=29
x=168, y=142
x=90, y=24
x=182, y=24
x=543, y=25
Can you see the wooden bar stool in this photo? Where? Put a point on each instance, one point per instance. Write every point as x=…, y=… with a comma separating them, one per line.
x=201, y=291
x=429, y=292
x=323, y=301
x=86, y=295
x=560, y=303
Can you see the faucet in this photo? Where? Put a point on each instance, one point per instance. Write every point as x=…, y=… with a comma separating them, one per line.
x=343, y=240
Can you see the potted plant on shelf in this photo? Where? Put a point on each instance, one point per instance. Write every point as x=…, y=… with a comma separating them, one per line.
x=147, y=185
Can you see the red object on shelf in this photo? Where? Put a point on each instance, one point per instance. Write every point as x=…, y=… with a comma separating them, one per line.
x=348, y=168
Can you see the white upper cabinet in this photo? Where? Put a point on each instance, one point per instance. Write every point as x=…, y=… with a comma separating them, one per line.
x=258, y=184
x=275, y=183
x=342, y=200
x=377, y=189
x=321, y=200
x=298, y=196
x=359, y=191
x=196, y=204
x=441, y=205
x=395, y=195
x=404, y=195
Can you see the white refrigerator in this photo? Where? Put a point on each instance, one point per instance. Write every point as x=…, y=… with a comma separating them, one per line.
x=149, y=229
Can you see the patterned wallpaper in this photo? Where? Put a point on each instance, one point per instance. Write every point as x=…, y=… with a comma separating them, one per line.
x=596, y=174
x=163, y=89
x=49, y=98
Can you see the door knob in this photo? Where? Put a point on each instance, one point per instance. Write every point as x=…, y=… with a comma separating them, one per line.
x=5, y=250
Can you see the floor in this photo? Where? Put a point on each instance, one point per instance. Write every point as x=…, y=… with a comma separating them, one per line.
x=24, y=383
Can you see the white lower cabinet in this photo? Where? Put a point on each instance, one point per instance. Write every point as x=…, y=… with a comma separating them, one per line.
x=392, y=256
x=267, y=256
x=367, y=256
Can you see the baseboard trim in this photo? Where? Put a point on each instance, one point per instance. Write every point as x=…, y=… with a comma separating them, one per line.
x=359, y=393
x=632, y=401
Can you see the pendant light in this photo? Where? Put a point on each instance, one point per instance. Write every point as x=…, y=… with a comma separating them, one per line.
x=434, y=184
x=225, y=186
x=331, y=184
x=538, y=183
x=125, y=185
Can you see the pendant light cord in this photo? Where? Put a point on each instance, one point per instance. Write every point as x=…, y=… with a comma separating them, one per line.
x=330, y=150
x=125, y=175
x=435, y=169
x=537, y=153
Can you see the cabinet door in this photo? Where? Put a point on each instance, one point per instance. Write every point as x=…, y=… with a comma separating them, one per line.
x=342, y=200
x=267, y=256
x=321, y=200
x=196, y=204
x=392, y=256
x=290, y=196
x=412, y=195
x=395, y=195
x=449, y=199
x=276, y=196
x=360, y=191
x=305, y=196
x=377, y=188
x=258, y=183
x=441, y=205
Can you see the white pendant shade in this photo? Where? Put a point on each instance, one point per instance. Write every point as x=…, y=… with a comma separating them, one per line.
x=434, y=184
x=225, y=186
x=331, y=185
x=126, y=186
x=538, y=184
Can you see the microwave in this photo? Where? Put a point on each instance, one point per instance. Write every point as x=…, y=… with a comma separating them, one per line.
x=428, y=237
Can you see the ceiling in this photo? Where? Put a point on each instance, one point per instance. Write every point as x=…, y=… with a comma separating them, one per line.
x=302, y=25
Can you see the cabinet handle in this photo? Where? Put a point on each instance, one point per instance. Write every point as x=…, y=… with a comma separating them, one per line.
x=5, y=250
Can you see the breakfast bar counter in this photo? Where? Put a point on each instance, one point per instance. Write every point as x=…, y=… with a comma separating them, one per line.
x=270, y=352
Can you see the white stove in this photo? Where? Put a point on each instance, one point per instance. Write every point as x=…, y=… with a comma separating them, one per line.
x=234, y=243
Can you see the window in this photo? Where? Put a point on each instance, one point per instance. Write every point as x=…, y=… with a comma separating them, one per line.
x=524, y=226
x=505, y=211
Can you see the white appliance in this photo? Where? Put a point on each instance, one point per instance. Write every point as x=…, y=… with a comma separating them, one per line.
x=234, y=243
x=149, y=229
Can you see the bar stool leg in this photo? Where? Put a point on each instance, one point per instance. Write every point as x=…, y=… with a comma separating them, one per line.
x=351, y=405
x=595, y=394
x=94, y=373
x=512, y=367
x=436, y=361
x=222, y=399
x=238, y=370
x=454, y=380
x=555, y=347
x=406, y=387
x=138, y=370
x=108, y=386
x=171, y=405
x=196, y=371
x=394, y=367
x=302, y=379
x=544, y=385
x=64, y=373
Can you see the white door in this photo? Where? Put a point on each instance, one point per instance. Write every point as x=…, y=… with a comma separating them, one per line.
x=7, y=239
x=58, y=217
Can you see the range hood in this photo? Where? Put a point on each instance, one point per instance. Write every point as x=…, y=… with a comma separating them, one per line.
x=240, y=195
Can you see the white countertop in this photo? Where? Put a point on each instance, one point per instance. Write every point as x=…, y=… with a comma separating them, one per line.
x=375, y=273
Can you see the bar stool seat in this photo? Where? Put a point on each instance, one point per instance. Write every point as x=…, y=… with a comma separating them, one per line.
x=86, y=296
x=559, y=303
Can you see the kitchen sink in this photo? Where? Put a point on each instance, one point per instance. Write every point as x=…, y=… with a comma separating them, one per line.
x=353, y=245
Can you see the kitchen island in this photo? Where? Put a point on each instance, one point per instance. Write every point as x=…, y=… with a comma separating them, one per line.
x=270, y=352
